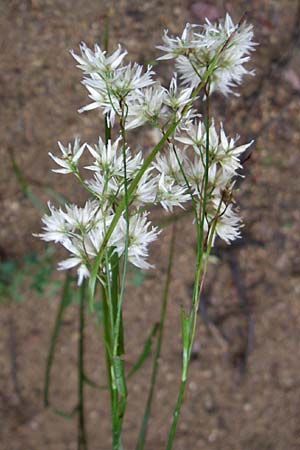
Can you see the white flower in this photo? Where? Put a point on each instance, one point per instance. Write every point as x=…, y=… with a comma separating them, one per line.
x=175, y=46
x=196, y=135
x=168, y=164
x=146, y=190
x=231, y=43
x=109, y=167
x=104, y=189
x=148, y=107
x=195, y=173
x=141, y=234
x=177, y=99
x=97, y=61
x=221, y=150
x=56, y=227
x=170, y=194
x=79, y=258
x=71, y=155
x=227, y=154
x=130, y=78
x=228, y=223
x=107, y=158
x=82, y=218
x=124, y=84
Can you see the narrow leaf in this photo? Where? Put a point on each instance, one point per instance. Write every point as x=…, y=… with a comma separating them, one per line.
x=146, y=351
x=118, y=366
x=64, y=302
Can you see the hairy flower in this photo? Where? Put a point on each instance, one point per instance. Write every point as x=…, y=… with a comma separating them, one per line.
x=224, y=44
x=78, y=258
x=195, y=163
x=177, y=98
x=175, y=46
x=71, y=155
x=97, y=61
x=109, y=159
x=170, y=194
x=82, y=219
x=55, y=227
x=222, y=151
x=148, y=107
x=123, y=85
x=141, y=234
x=226, y=221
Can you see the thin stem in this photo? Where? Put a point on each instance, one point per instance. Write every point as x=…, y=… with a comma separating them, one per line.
x=118, y=372
x=23, y=183
x=125, y=259
x=192, y=319
x=82, y=438
x=144, y=427
x=54, y=337
x=176, y=414
x=108, y=346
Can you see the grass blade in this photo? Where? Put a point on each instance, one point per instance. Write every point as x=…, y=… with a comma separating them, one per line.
x=146, y=351
x=64, y=302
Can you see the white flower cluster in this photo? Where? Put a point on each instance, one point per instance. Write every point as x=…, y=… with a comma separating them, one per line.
x=196, y=163
x=198, y=46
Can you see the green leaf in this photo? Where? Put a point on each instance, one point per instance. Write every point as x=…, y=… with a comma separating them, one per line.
x=118, y=367
x=146, y=351
x=186, y=326
x=65, y=415
x=94, y=385
x=64, y=302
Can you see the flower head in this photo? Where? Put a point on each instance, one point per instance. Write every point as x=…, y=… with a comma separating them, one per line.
x=141, y=234
x=224, y=44
x=71, y=155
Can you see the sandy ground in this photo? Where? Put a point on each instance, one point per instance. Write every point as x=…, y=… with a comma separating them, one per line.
x=244, y=386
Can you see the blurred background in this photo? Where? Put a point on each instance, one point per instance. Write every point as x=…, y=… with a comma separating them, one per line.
x=244, y=386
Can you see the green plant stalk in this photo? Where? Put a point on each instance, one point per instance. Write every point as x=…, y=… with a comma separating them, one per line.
x=111, y=299
x=120, y=389
x=125, y=259
x=144, y=427
x=146, y=351
x=108, y=348
x=191, y=321
x=55, y=333
x=113, y=321
x=82, y=438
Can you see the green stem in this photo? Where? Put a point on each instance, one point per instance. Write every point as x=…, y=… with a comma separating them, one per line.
x=107, y=342
x=192, y=320
x=55, y=333
x=23, y=183
x=120, y=389
x=144, y=427
x=176, y=414
x=82, y=438
x=111, y=378
x=125, y=259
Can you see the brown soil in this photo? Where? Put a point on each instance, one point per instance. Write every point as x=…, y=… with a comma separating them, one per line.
x=244, y=386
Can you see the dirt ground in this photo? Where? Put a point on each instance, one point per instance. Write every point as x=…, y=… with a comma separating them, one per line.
x=244, y=386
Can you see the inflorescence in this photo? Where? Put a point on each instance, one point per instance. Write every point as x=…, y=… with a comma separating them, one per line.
x=130, y=97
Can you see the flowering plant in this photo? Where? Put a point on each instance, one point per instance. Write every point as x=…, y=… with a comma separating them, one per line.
x=194, y=161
